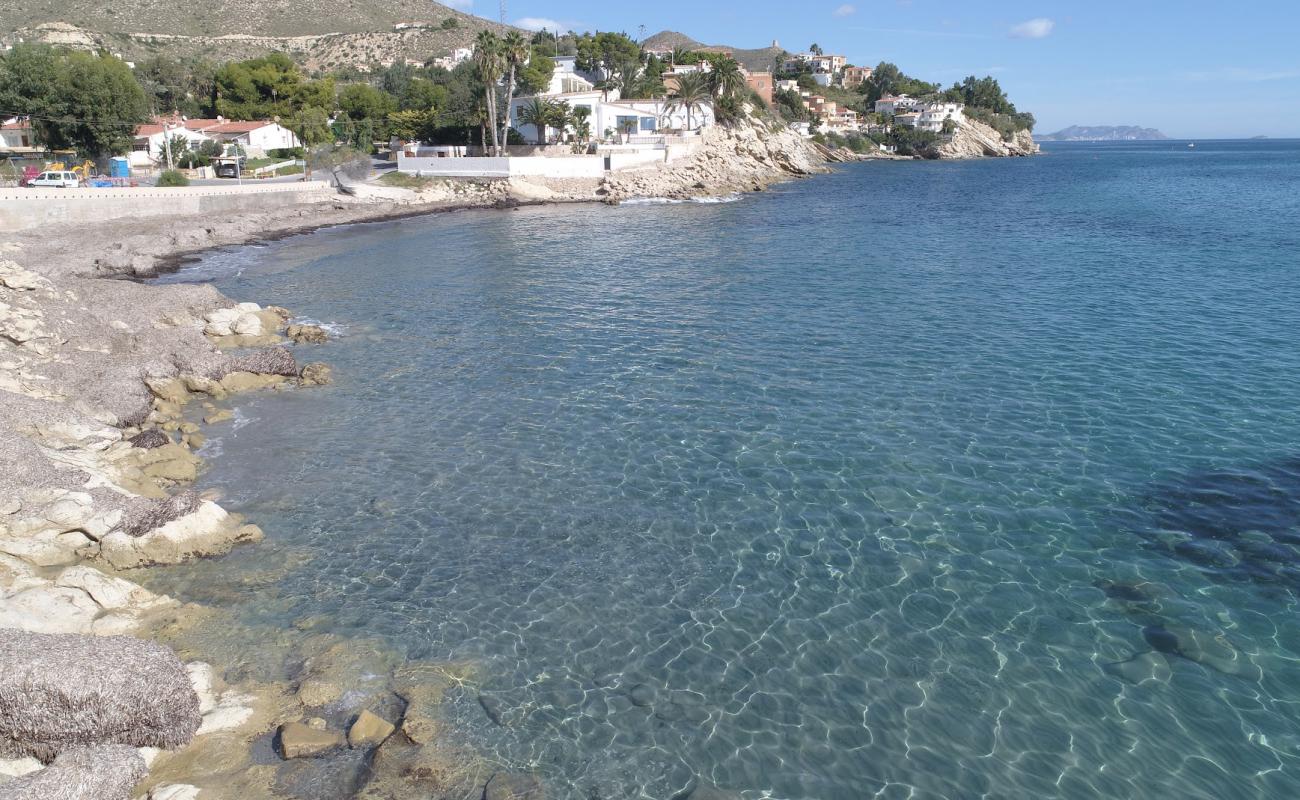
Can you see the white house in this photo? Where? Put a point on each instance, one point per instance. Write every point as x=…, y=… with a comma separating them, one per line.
x=458, y=56
x=567, y=79
x=149, y=145
x=257, y=137
x=609, y=115
x=933, y=115
x=891, y=104
x=16, y=136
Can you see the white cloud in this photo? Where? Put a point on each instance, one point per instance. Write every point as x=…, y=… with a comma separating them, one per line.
x=846, y=10
x=1039, y=28
x=459, y=5
x=552, y=25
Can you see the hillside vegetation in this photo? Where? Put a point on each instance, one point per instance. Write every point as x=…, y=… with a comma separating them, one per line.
x=322, y=35
x=758, y=60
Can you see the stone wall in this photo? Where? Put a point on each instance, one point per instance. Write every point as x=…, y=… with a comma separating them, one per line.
x=24, y=208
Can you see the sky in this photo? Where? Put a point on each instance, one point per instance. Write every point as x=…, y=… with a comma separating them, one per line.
x=1192, y=68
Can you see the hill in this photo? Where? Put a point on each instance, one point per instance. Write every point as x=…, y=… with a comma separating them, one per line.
x=1103, y=133
x=325, y=34
x=758, y=60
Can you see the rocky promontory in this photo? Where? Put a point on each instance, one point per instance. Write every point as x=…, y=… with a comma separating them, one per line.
x=974, y=139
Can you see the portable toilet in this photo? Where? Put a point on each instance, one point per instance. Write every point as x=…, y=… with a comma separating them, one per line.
x=119, y=167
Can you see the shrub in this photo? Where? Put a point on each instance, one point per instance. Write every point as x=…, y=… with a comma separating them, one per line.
x=173, y=177
x=286, y=153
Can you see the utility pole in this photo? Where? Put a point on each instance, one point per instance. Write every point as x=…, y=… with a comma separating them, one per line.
x=167, y=144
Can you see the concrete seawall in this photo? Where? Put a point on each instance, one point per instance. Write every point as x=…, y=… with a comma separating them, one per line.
x=23, y=209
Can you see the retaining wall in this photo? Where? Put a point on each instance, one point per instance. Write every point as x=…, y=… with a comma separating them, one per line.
x=558, y=167
x=22, y=208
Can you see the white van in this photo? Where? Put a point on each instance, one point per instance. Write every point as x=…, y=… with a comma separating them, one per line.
x=58, y=180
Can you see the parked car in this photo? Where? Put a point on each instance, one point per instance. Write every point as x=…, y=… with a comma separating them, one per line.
x=230, y=169
x=57, y=180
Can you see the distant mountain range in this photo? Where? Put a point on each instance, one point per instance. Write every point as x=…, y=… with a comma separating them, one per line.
x=1103, y=133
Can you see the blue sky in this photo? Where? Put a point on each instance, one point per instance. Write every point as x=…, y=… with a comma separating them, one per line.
x=1193, y=68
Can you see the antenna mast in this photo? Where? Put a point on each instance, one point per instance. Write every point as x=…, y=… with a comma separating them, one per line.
x=503, y=12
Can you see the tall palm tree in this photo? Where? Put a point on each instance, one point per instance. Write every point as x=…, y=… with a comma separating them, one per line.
x=515, y=50
x=726, y=79
x=680, y=55
x=491, y=64
x=691, y=95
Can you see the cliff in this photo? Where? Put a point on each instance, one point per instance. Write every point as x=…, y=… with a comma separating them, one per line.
x=974, y=139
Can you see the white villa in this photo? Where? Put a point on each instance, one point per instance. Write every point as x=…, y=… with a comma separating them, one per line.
x=608, y=113
x=458, y=56
x=899, y=104
x=257, y=138
x=930, y=116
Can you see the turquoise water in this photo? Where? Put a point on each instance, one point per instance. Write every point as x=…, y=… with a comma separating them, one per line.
x=923, y=480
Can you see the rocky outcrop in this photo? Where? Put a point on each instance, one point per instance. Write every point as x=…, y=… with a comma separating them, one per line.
x=974, y=139
x=62, y=692
x=746, y=157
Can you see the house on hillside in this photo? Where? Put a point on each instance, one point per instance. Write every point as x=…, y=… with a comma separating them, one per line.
x=458, y=56
x=891, y=104
x=856, y=76
x=761, y=83
x=568, y=79
x=933, y=115
x=610, y=115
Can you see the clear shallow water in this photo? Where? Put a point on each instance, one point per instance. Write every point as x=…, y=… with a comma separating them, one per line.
x=916, y=480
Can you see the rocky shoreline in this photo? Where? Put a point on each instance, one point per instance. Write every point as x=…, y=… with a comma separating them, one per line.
x=109, y=389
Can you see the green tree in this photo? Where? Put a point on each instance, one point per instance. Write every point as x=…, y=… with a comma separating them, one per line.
x=691, y=95
x=535, y=76
x=259, y=88
x=312, y=126
x=614, y=54
x=423, y=94
x=176, y=86
x=816, y=49
x=87, y=102
x=361, y=101
x=409, y=124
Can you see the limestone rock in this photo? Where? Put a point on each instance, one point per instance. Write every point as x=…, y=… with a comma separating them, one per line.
x=316, y=375
x=208, y=531
x=109, y=592
x=237, y=382
x=307, y=334
x=18, y=767
x=247, y=325
x=369, y=730
x=217, y=417
x=49, y=609
x=298, y=740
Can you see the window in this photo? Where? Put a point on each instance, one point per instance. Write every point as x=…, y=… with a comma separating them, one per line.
x=647, y=125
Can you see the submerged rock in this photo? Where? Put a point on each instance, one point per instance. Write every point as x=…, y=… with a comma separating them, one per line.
x=299, y=740
x=370, y=730
x=307, y=334
x=60, y=692
x=316, y=375
x=511, y=786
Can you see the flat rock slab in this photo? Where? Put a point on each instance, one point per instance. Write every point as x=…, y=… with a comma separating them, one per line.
x=511, y=786
x=370, y=730
x=298, y=740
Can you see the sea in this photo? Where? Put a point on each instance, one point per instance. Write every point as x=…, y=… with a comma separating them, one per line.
x=914, y=480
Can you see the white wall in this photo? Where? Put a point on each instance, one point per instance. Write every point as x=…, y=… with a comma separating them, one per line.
x=559, y=167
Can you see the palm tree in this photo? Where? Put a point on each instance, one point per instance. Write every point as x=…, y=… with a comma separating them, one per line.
x=515, y=50
x=692, y=93
x=541, y=114
x=726, y=79
x=491, y=63
x=680, y=55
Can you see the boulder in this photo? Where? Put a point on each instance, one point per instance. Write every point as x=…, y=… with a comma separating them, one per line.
x=247, y=325
x=370, y=730
x=316, y=375
x=150, y=439
x=175, y=791
x=107, y=772
x=307, y=334
x=62, y=692
x=298, y=740
x=267, y=361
